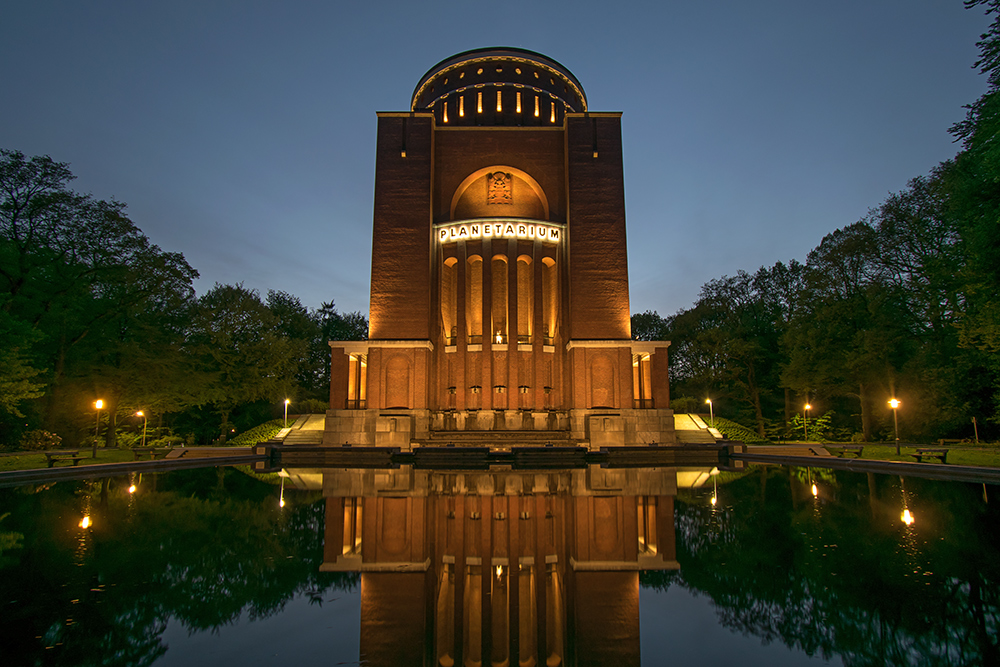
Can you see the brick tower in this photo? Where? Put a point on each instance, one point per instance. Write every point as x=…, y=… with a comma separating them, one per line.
x=499, y=294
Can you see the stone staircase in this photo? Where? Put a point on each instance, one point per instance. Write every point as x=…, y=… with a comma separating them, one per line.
x=497, y=438
x=307, y=430
x=692, y=430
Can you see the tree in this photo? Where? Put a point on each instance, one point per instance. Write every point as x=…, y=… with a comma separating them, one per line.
x=974, y=206
x=95, y=291
x=728, y=343
x=18, y=379
x=238, y=342
x=649, y=326
x=850, y=334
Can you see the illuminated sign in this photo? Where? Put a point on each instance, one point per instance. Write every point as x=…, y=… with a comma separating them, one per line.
x=498, y=229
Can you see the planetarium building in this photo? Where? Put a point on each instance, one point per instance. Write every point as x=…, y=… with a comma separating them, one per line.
x=499, y=292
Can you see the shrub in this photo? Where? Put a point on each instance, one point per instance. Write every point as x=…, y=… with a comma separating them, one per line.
x=686, y=404
x=38, y=440
x=310, y=406
x=129, y=440
x=734, y=431
x=166, y=441
x=258, y=434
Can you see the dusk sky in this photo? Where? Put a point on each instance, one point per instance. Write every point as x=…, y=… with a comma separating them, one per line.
x=242, y=134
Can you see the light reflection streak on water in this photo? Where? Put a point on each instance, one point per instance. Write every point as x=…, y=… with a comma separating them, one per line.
x=910, y=542
x=83, y=537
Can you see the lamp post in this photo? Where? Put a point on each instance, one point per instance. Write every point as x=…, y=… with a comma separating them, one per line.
x=807, y=409
x=287, y=401
x=97, y=429
x=143, y=415
x=894, y=404
x=711, y=411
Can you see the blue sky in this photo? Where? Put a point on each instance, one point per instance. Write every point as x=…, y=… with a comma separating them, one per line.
x=242, y=134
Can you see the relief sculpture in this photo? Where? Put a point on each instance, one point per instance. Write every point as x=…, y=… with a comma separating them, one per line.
x=498, y=188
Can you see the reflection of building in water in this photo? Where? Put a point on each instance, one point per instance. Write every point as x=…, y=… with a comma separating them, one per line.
x=499, y=293
x=500, y=567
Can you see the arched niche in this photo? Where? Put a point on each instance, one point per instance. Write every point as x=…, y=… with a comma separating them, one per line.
x=515, y=195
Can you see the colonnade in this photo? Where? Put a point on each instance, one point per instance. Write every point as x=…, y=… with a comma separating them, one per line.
x=499, y=295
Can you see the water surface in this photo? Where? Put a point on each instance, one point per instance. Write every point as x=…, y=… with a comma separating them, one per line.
x=575, y=567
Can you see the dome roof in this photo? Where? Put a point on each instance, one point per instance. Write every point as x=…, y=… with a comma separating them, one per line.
x=517, y=85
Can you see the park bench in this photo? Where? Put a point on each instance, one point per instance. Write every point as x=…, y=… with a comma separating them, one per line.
x=74, y=455
x=151, y=452
x=931, y=453
x=851, y=449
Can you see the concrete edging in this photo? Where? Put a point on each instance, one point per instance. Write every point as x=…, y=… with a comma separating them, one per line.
x=19, y=477
x=951, y=473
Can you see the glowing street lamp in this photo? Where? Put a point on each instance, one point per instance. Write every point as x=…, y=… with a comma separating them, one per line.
x=807, y=409
x=711, y=411
x=287, y=401
x=144, y=419
x=894, y=404
x=99, y=404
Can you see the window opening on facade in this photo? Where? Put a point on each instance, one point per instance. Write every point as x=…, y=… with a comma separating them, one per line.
x=549, y=300
x=474, y=300
x=525, y=299
x=449, y=299
x=499, y=278
x=642, y=390
x=357, y=382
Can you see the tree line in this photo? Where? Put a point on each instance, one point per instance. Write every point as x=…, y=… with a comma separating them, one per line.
x=902, y=303
x=91, y=309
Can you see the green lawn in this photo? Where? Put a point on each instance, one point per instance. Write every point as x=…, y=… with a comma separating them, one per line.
x=984, y=456
x=32, y=460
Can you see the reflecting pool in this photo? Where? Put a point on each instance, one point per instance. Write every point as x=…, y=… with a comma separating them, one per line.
x=588, y=566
